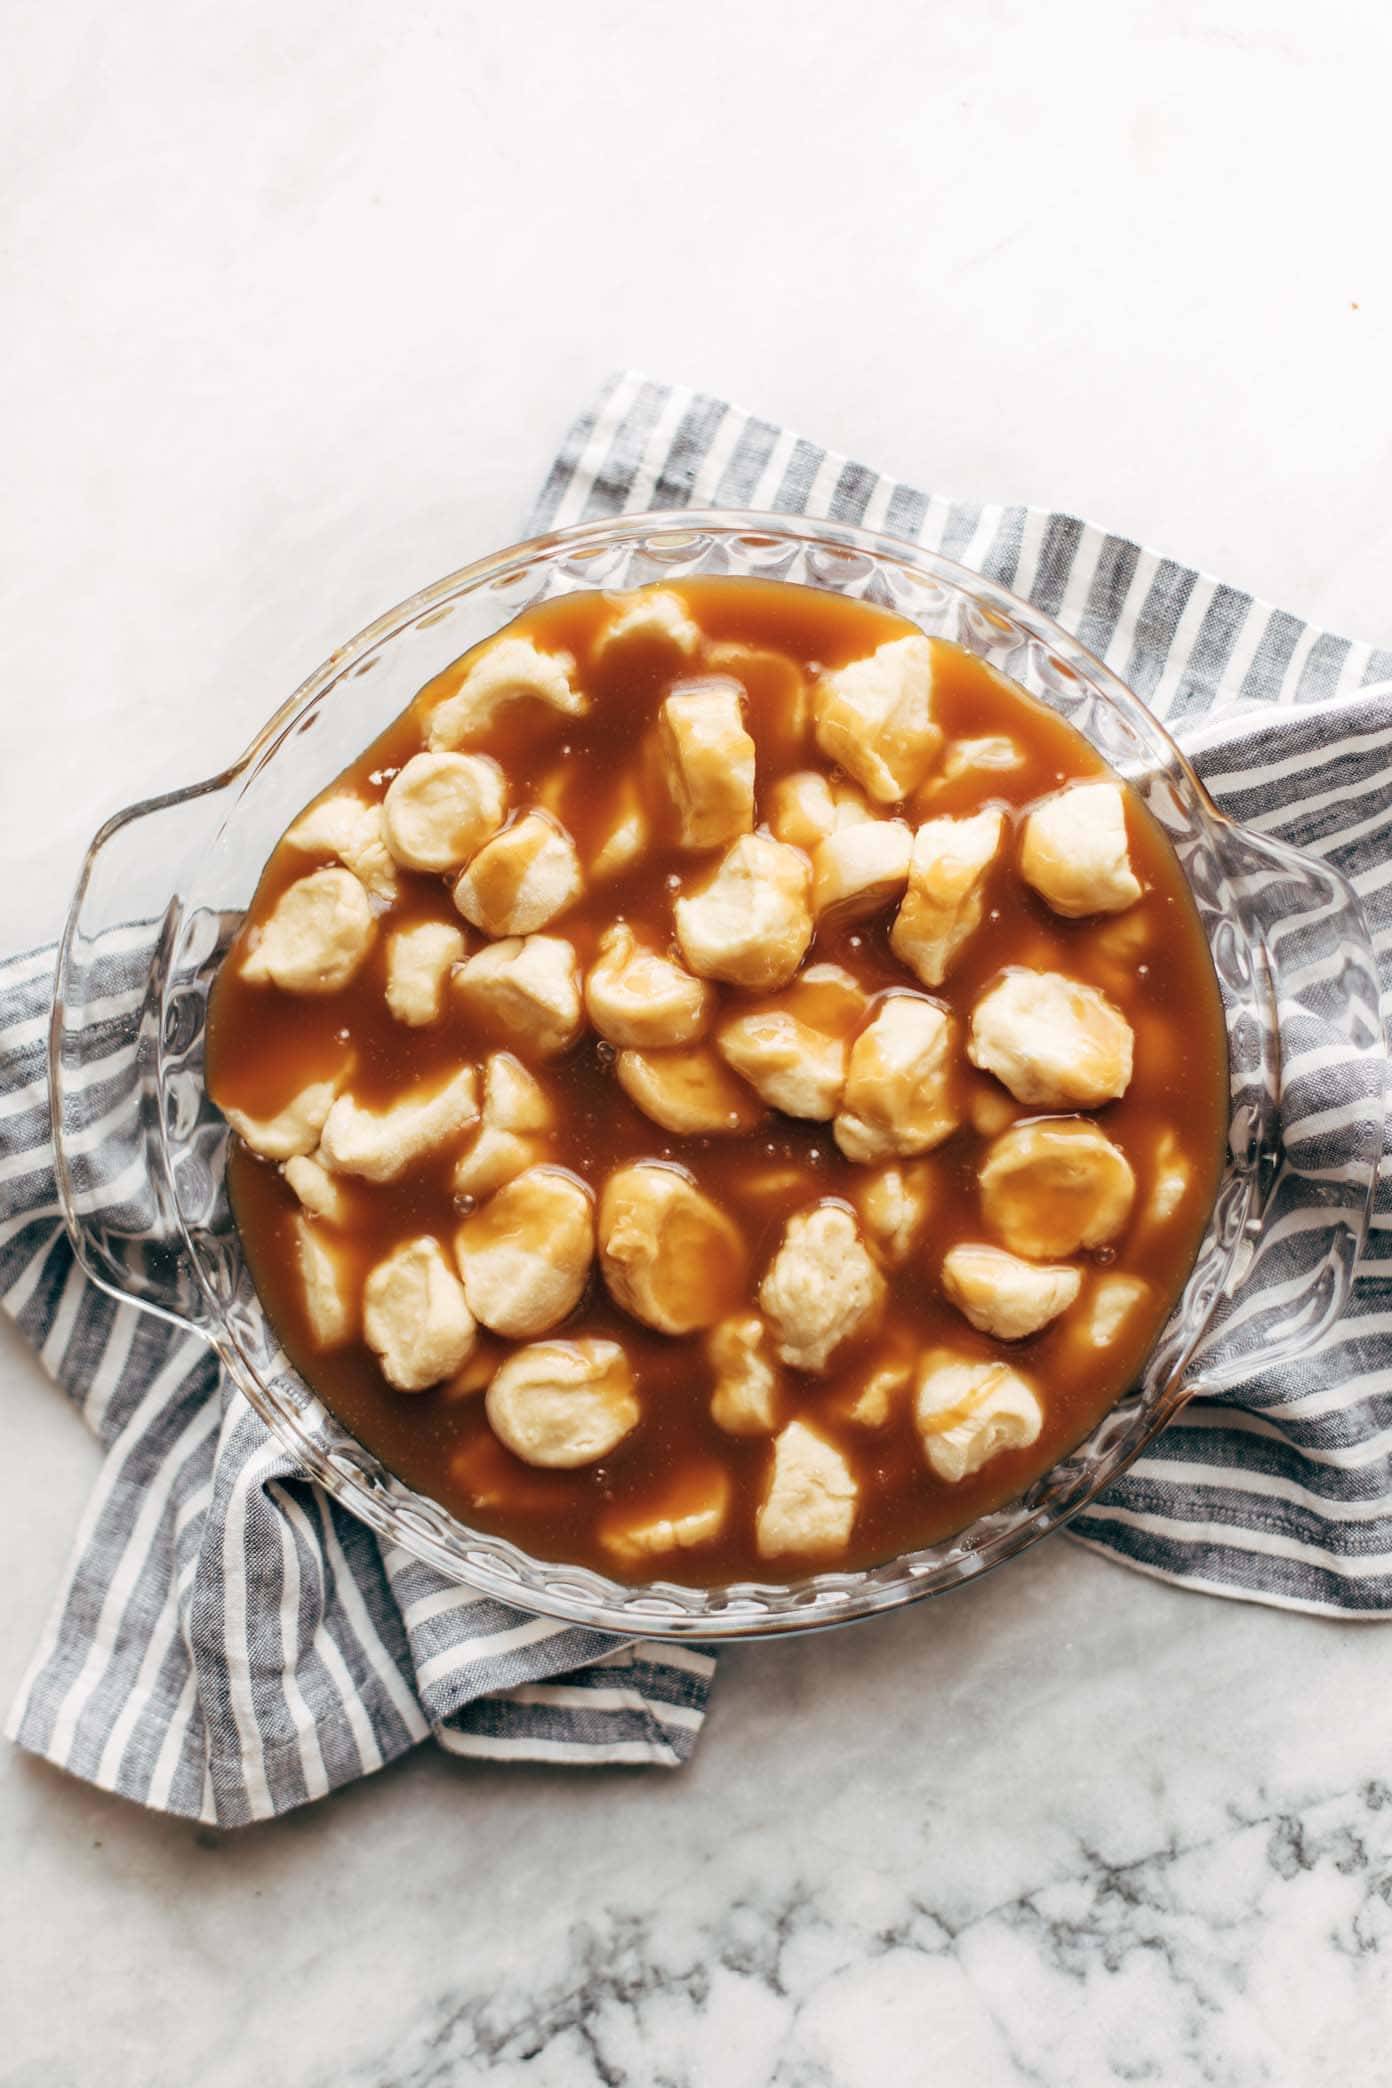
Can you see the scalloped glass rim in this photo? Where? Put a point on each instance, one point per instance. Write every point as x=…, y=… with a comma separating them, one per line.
x=844, y=559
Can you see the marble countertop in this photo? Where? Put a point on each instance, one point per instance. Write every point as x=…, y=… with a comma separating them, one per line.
x=296, y=304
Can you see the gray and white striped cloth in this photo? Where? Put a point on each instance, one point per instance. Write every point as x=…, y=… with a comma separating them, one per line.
x=228, y=1643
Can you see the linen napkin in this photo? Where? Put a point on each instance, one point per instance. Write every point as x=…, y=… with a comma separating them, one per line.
x=228, y=1643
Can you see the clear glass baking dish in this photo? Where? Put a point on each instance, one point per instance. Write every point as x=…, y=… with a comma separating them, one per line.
x=140, y=1150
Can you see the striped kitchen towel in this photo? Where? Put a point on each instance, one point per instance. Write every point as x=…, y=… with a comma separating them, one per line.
x=229, y=1643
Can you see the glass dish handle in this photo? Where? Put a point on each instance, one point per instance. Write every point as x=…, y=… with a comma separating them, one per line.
x=113, y=1023
x=1310, y=1068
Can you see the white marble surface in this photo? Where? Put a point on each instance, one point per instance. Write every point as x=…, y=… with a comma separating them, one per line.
x=295, y=303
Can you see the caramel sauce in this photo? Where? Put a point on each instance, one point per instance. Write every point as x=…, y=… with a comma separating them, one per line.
x=265, y=1045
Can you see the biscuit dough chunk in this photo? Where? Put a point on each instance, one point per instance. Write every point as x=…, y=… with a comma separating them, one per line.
x=994, y=752
x=821, y=1290
x=521, y=879
x=635, y=996
x=1054, y=1042
x=894, y=1204
x=946, y=897
x=327, y=1286
x=316, y=936
x=563, y=1403
x=292, y=1130
x=872, y=1400
x=1112, y=1301
x=810, y=1505
x=525, y=1255
x=899, y=1087
x=804, y=808
x=626, y=837
x=322, y=1194
x=1004, y=1296
x=1170, y=1180
x=789, y=1065
x=696, y=1518
x=382, y=1145
x=752, y=922
x=1075, y=853
x=861, y=867
x=709, y=761
x=650, y=614
x=1055, y=1185
x=745, y=1399
x=416, y=1319
x=670, y=1256
x=967, y=1412
x=512, y=1134
x=875, y=718
x=690, y=1092
x=347, y=827
x=510, y=669
x=529, y=987
x=441, y=808
x=419, y=960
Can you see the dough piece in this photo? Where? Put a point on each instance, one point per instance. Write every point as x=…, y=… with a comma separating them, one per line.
x=745, y=1399
x=316, y=936
x=899, y=1083
x=419, y=960
x=415, y=1317
x=525, y=1255
x=529, y=987
x=691, y=1092
x=563, y=1403
x=627, y=838
x=697, y=1517
x=506, y=671
x=989, y=1109
x=804, y=808
x=381, y=1145
x=811, y=1502
x=827, y=998
x=1170, y=1179
x=293, y=1129
x=709, y=761
x=781, y=689
x=1004, y=1296
x=861, y=867
x=968, y=1411
x=650, y=614
x=993, y=752
x=1074, y=851
x=875, y=718
x=1110, y=1305
x=321, y=1193
x=669, y=1255
x=947, y=892
x=512, y=1135
x=441, y=808
x=1054, y=1186
x=636, y=997
x=801, y=809
x=893, y=1204
x=788, y=1064
x=347, y=827
x=872, y=1400
x=752, y=922
x=1054, y=1042
x=821, y=1290
x=326, y=1277
x=521, y=879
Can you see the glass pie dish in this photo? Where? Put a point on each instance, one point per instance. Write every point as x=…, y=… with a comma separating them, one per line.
x=141, y=1151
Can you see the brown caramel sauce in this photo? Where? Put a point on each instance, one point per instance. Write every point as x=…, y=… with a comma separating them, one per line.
x=264, y=1045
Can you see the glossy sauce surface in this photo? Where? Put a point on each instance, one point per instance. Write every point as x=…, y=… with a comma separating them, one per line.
x=265, y=1045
